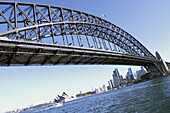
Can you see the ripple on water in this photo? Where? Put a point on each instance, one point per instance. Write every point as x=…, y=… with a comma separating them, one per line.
x=148, y=97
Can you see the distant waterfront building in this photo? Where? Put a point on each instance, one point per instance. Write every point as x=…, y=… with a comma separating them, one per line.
x=104, y=88
x=141, y=72
x=101, y=89
x=135, y=76
x=97, y=90
x=116, y=78
x=109, y=87
x=121, y=77
x=116, y=72
x=112, y=84
x=130, y=73
x=124, y=81
x=128, y=77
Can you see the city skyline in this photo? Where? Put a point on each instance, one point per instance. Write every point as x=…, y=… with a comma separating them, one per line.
x=118, y=80
x=36, y=84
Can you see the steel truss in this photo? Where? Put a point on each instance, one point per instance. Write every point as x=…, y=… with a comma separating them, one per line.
x=37, y=22
x=73, y=37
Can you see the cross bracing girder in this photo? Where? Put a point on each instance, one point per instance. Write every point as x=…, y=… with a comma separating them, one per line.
x=27, y=20
x=122, y=45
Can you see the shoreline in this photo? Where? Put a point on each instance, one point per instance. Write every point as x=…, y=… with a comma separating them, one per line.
x=75, y=98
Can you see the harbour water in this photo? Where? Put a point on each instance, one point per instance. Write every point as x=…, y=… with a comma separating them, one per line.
x=148, y=97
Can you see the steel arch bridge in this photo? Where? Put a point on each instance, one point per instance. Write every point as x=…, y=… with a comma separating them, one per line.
x=36, y=34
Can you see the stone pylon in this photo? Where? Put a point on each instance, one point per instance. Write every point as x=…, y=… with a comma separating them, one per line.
x=163, y=65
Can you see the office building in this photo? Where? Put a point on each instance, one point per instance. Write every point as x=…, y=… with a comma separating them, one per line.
x=116, y=78
x=104, y=88
x=128, y=77
x=112, y=84
x=130, y=73
x=140, y=72
x=121, y=77
x=116, y=72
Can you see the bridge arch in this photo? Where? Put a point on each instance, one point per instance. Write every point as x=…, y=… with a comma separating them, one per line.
x=27, y=27
x=37, y=22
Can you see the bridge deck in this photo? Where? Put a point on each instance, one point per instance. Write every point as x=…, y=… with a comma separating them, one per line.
x=31, y=53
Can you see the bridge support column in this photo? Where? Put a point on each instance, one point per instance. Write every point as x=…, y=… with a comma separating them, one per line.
x=163, y=65
x=158, y=69
x=154, y=70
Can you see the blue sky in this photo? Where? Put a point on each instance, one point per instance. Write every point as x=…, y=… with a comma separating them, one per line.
x=146, y=20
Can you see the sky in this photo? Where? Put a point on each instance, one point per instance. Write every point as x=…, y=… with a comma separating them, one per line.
x=146, y=20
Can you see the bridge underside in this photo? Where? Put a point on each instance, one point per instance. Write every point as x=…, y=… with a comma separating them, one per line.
x=28, y=53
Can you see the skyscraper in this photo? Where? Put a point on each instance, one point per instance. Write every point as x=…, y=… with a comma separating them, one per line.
x=116, y=78
x=116, y=72
x=141, y=72
x=110, y=87
x=112, y=83
x=128, y=77
x=130, y=74
x=121, y=77
x=135, y=75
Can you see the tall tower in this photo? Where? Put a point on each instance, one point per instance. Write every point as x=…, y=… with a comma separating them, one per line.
x=112, y=83
x=116, y=78
x=110, y=87
x=116, y=72
x=130, y=74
